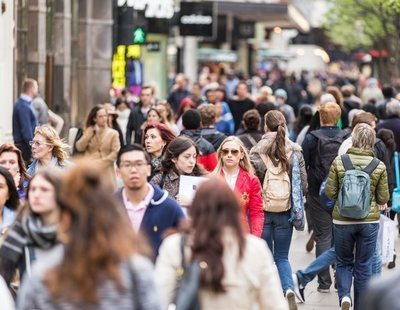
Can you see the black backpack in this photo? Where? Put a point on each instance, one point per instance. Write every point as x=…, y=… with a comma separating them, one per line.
x=327, y=150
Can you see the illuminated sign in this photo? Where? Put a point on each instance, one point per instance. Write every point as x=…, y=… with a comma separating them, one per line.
x=151, y=8
x=197, y=19
x=139, y=35
x=118, y=66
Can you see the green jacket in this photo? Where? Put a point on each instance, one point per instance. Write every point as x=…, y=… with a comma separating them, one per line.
x=379, y=184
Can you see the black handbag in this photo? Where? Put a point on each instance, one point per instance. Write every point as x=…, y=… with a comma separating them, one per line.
x=187, y=294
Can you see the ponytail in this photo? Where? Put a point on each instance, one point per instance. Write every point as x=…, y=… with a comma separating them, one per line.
x=275, y=121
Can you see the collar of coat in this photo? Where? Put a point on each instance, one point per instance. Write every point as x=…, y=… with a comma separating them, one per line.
x=358, y=151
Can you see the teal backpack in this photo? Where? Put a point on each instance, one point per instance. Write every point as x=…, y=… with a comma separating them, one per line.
x=396, y=191
x=354, y=195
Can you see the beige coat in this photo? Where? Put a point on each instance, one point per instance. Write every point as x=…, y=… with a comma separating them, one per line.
x=102, y=146
x=252, y=283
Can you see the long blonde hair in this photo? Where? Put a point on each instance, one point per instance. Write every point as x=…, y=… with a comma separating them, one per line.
x=244, y=162
x=53, y=140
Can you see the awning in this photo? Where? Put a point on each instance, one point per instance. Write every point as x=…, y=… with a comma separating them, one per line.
x=273, y=13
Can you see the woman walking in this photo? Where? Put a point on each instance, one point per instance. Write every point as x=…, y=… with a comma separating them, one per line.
x=234, y=166
x=237, y=270
x=273, y=159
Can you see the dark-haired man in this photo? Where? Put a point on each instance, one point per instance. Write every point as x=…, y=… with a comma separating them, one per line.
x=149, y=208
x=24, y=120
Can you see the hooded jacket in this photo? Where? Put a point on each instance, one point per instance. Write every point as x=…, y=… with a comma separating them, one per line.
x=162, y=213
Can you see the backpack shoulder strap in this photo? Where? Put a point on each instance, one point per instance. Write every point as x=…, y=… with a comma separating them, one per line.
x=348, y=165
x=371, y=166
x=251, y=139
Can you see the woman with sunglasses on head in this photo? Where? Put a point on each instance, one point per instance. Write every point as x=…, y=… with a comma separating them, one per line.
x=48, y=150
x=180, y=158
x=9, y=201
x=11, y=159
x=273, y=159
x=34, y=233
x=100, y=143
x=156, y=138
x=237, y=270
x=100, y=266
x=234, y=166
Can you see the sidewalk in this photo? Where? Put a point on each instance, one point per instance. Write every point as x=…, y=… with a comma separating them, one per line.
x=299, y=259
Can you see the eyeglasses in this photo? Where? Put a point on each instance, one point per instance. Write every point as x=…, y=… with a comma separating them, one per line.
x=36, y=143
x=225, y=152
x=137, y=165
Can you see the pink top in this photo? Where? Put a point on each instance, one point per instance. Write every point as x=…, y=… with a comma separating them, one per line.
x=136, y=212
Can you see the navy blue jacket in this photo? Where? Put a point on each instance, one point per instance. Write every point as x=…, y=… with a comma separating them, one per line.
x=24, y=122
x=162, y=213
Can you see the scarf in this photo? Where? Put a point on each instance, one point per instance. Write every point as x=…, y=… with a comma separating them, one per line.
x=29, y=231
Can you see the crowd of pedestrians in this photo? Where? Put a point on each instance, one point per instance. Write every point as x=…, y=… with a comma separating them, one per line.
x=83, y=225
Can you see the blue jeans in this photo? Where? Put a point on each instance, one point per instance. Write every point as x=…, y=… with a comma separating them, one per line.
x=363, y=237
x=278, y=235
x=315, y=267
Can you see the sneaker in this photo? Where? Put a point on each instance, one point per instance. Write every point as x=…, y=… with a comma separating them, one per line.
x=310, y=242
x=297, y=290
x=323, y=290
x=346, y=303
x=291, y=299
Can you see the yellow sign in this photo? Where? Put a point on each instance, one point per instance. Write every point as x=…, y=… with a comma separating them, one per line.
x=119, y=63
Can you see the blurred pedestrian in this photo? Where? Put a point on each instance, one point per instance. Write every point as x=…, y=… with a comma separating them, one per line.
x=100, y=143
x=237, y=270
x=167, y=115
x=240, y=103
x=139, y=115
x=156, y=139
x=148, y=208
x=124, y=114
x=191, y=121
x=9, y=201
x=185, y=104
x=393, y=120
x=24, y=120
x=208, y=130
x=112, y=121
x=11, y=159
x=251, y=124
x=179, y=91
x=180, y=158
x=48, y=150
x=350, y=232
x=99, y=266
x=34, y=233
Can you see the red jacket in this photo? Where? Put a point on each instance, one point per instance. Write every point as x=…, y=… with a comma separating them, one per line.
x=248, y=189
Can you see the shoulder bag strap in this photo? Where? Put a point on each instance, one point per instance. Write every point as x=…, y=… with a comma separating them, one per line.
x=135, y=287
x=251, y=139
x=396, y=168
x=371, y=166
x=348, y=165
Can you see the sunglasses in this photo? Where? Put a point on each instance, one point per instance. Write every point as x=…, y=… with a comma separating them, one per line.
x=225, y=152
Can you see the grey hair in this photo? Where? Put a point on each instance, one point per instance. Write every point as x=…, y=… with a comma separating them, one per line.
x=363, y=136
x=393, y=108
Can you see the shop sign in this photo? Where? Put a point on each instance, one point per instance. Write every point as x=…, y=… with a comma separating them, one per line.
x=118, y=66
x=197, y=19
x=151, y=8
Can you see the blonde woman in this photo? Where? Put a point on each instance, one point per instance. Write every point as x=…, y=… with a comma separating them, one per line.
x=48, y=150
x=234, y=165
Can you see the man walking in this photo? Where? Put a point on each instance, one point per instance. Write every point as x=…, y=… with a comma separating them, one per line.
x=148, y=207
x=24, y=121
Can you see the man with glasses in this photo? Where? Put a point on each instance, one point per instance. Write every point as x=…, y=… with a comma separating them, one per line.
x=148, y=207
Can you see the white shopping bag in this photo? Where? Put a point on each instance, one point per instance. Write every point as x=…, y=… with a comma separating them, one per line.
x=387, y=233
